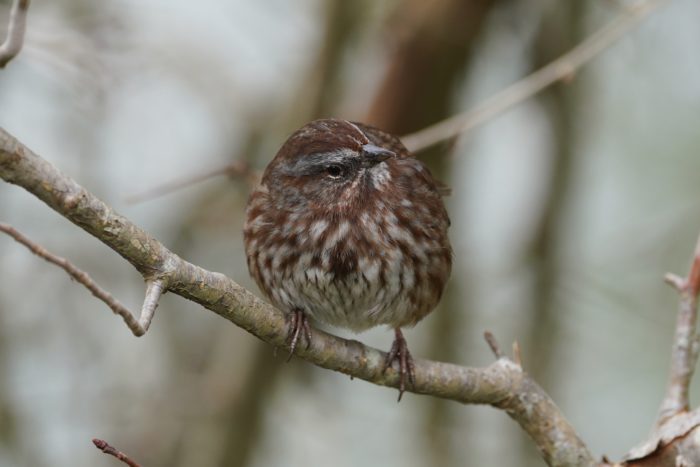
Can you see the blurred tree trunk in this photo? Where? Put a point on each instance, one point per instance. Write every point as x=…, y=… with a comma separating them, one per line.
x=8, y=420
x=320, y=94
x=239, y=424
x=343, y=20
x=559, y=32
x=433, y=44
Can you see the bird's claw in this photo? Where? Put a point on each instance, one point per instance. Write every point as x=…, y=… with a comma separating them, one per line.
x=299, y=322
x=399, y=352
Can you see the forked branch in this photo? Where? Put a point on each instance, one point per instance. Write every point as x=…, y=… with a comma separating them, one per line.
x=684, y=357
x=675, y=438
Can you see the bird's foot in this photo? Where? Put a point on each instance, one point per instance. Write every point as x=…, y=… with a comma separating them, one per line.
x=299, y=324
x=399, y=352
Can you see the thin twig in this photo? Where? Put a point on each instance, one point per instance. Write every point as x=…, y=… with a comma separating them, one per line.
x=694, y=275
x=234, y=170
x=105, y=447
x=493, y=344
x=684, y=356
x=15, y=32
x=153, y=291
x=74, y=272
x=517, y=355
x=675, y=281
x=562, y=68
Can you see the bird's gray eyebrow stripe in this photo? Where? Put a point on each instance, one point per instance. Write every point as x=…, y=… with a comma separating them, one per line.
x=359, y=131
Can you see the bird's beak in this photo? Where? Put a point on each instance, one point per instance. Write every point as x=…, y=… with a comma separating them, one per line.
x=373, y=155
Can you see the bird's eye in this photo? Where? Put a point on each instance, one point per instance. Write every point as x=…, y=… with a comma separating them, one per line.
x=334, y=171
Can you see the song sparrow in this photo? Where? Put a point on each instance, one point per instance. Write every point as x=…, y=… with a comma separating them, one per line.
x=349, y=229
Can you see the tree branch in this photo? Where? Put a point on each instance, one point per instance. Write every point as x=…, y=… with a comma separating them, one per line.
x=493, y=345
x=560, y=69
x=105, y=447
x=675, y=438
x=15, y=32
x=236, y=169
x=153, y=291
x=684, y=356
x=502, y=384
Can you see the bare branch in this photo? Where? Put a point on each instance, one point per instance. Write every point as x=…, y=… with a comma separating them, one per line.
x=15, y=32
x=517, y=356
x=74, y=272
x=153, y=291
x=493, y=344
x=501, y=384
x=675, y=281
x=675, y=438
x=560, y=69
x=684, y=356
x=105, y=447
x=678, y=436
x=694, y=275
x=240, y=170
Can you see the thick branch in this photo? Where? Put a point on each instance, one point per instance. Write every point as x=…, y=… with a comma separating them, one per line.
x=501, y=384
x=15, y=32
x=562, y=68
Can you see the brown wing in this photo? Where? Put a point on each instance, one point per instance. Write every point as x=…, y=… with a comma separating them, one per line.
x=443, y=188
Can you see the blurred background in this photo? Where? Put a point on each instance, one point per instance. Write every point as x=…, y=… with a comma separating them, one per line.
x=567, y=210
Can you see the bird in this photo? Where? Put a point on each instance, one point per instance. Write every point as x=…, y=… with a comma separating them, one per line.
x=347, y=228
